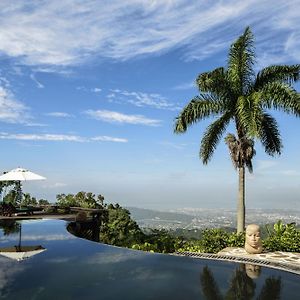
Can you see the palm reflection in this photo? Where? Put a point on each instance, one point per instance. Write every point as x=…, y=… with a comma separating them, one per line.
x=271, y=289
x=209, y=286
x=241, y=286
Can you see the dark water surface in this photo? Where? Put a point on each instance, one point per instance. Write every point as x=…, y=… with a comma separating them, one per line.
x=74, y=268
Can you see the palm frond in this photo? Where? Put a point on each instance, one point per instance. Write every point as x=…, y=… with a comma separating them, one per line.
x=284, y=74
x=214, y=82
x=280, y=96
x=270, y=136
x=199, y=108
x=240, y=63
x=249, y=113
x=212, y=137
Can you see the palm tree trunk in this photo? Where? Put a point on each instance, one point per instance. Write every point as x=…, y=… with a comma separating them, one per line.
x=241, y=201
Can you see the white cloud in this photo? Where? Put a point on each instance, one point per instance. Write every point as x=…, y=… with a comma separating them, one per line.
x=9, y=269
x=43, y=32
x=39, y=85
x=52, y=237
x=11, y=110
x=57, y=69
x=140, y=99
x=105, y=138
x=59, y=138
x=35, y=124
x=96, y=90
x=42, y=137
x=292, y=45
x=59, y=114
x=99, y=258
x=85, y=89
x=116, y=117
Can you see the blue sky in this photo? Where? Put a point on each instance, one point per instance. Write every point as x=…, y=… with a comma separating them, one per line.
x=89, y=91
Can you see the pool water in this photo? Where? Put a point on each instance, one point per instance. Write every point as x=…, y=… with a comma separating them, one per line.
x=74, y=268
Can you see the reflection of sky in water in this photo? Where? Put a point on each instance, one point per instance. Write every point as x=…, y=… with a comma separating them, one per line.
x=73, y=268
x=7, y=271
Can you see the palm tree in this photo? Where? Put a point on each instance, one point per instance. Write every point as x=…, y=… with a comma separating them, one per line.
x=235, y=94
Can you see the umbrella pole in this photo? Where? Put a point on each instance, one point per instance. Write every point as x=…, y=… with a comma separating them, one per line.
x=20, y=238
x=19, y=193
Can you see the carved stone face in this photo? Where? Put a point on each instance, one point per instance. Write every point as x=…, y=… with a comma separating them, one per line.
x=252, y=271
x=253, y=236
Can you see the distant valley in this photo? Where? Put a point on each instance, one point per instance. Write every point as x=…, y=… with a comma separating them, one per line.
x=193, y=218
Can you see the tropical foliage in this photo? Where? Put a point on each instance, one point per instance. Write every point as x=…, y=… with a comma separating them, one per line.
x=283, y=237
x=214, y=240
x=81, y=199
x=11, y=192
x=159, y=241
x=119, y=229
x=237, y=95
x=17, y=198
x=4, y=185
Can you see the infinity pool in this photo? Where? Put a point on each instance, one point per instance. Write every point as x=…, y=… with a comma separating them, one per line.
x=62, y=266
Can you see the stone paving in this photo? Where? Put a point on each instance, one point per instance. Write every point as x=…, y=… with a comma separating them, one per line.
x=287, y=261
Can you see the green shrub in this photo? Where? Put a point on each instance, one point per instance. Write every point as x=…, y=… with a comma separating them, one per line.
x=236, y=239
x=119, y=228
x=159, y=241
x=145, y=247
x=81, y=199
x=191, y=246
x=214, y=240
x=283, y=238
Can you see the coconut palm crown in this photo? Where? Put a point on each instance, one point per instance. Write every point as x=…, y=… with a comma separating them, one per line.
x=236, y=94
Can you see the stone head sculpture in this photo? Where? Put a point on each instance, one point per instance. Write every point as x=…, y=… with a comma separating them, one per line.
x=252, y=271
x=253, y=243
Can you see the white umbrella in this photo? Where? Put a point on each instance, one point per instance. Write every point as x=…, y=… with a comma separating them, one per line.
x=20, y=174
x=21, y=252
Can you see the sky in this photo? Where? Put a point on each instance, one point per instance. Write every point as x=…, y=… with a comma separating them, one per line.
x=89, y=93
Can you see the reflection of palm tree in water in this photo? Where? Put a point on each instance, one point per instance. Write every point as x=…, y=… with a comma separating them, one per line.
x=210, y=288
x=242, y=287
x=271, y=289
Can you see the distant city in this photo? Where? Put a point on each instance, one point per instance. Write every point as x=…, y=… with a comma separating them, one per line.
x=194, y=218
